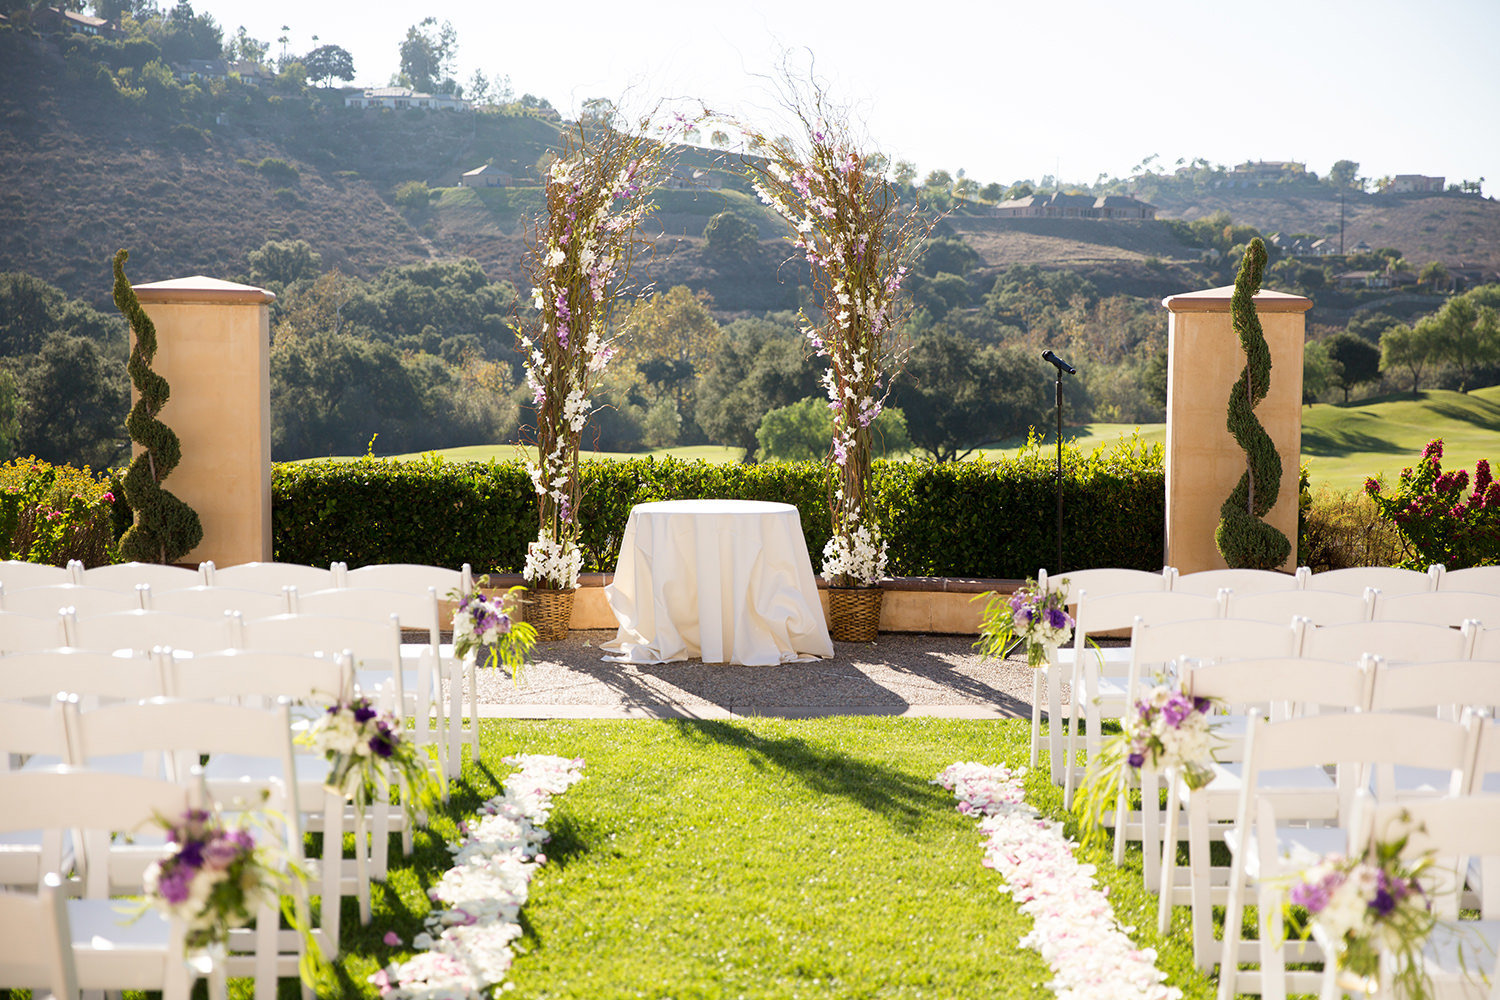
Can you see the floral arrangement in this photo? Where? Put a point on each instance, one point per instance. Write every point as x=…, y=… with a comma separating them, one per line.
x=845, y=219
x=580, y=254
x=364, y=747
x=1031, y=614
x=1074, y=927
x=484, y=626
x=1163, y=729
x=465, y=949
x=1367, y=905
x=1436, y=522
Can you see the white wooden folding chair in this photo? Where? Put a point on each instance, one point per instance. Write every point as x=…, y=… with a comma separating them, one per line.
x=31, y=735
x=273, y=576
x=1155, y=649
x=136, y=633
x=1100, y=675
x=20, y=575
x=1394, y=642
x=42, y=602
x=1319, y=607
x=29, y=633
x=1278, y=688
x=1241, y=581
x=1267, y=848
x=37, y=953
x=411, y=577
x=108, y=954
x=1440, y=607
x=93, y=676
x=214, y=602
x=127, y=576
x=1389, y=580
x=1475, y=579
x=1486, y=645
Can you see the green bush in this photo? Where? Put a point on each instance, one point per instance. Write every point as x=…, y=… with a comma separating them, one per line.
x=1340, y=529
x=278, y=171
x=53, y=513
x=979, y=519
x=1436, y=521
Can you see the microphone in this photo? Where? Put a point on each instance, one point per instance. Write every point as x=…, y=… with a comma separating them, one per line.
x=1061, y=365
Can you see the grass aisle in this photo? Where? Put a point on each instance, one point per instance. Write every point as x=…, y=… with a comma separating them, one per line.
x=762, y=859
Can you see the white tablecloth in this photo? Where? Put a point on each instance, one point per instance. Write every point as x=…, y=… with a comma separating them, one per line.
x=724, y=580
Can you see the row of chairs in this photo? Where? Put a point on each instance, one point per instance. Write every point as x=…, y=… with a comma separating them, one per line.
x=1353, y=580
x=250, y=576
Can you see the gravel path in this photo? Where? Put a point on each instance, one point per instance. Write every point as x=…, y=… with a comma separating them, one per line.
x=899, y=674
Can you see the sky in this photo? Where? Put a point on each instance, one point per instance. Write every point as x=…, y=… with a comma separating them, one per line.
x=1003, y=91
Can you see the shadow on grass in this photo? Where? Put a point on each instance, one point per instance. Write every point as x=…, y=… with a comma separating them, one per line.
x=1334, y=444
x=1479, y=412
x=905, y=800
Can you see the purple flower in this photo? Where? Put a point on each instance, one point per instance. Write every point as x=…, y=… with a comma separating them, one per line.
x=175, y=885
x=1176, y=709
x=1315, y=895
x=363, y=712
x=1057, y=618
x=1137, y=759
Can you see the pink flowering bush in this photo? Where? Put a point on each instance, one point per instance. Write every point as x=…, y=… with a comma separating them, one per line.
x=53, y=513
x=1439, y=517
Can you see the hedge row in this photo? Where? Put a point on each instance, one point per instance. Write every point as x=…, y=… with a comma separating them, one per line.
x=970, y=519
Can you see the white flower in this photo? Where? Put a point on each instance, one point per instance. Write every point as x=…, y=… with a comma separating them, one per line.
x=555, y=257
x=859, y=556
x=553, y=563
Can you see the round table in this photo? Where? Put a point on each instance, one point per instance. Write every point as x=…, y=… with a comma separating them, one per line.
x=723, y=580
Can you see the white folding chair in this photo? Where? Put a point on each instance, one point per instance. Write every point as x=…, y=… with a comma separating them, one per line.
x=1440, y=607
x=1242, y=581
x=42, y=602
x=1389, y=580
x=1475, y=579
x=1486, y=644
x=1099, y=675
x=146, y=954
x=91, y=675
x=273, y=576
x=28, y=633
x=20, y=575
x=136, y=633
x=1395, y=642
x=410, y=577
x=1283, y=687
x=1267, y=849
x=38, y=951
x=1320, y=607
x=31, y=736
x=127, y=576
x=215, y=602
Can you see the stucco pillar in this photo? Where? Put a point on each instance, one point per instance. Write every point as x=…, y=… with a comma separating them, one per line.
x=214, y=349
x=1204, y=462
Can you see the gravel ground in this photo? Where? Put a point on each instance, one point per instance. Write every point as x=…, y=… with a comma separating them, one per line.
x=899, y=674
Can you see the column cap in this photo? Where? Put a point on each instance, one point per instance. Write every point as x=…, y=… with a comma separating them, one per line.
x=201, y=289
x=1218, y=299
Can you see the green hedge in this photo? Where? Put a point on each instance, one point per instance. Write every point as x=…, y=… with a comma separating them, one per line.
x=978, y=519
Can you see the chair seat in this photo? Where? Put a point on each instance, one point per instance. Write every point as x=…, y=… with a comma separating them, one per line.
x=1112, y=655
x=1464, y=947
x=1298, y=846
x=114, y=951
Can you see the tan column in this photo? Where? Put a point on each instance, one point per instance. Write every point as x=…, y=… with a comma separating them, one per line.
x=214, y=349
x=1204, y=462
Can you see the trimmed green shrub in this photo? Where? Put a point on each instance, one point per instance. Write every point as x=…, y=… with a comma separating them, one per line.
x=979, y=519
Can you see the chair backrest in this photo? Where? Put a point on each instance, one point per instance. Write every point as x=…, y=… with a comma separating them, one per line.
x=1295, y=681
x=27, y=729
x=1389, y=580
x=18, y=575
x=1486, y=644
x=213, y=602
x=38, y=949
x=363, y=638
x=416, y=609
x=141, y=631
x=1120, y=610
x=1321, y=607
x=1103, y=582
x=126, y=576
x=1455, y=829
x=251, y=674
x=1440, y=607
x=84, y=600
x=1242, y=581
x=1445, y=687
x=1395, y=642
x=411, y=577
x=273, y=576
x=90, y=674
x=29, y=633
x=1475, y=579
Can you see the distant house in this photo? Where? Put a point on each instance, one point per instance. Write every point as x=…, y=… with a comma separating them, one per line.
x=1074, y=206
x=486, y=176
x=405, y=97
x=51, y=20
x=251, y=72
x=1299, y=246
x=1415, y=183
x=686, y=179
x=200, y=69
x=1363, y=279
x=1257, y=172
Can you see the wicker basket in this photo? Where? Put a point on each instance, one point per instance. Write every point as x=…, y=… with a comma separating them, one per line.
x=854, y=613
x=549, y=612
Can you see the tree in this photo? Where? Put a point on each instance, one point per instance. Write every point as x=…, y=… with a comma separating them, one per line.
x=904, y=173
x=242, y=46
x=71, y=394
x=600, y=111
x=957, y=395
x=426, y=54
x=1372, y=326
x=1318, y=370
x=671, y=336
x=1407, y=348
x=329, y=63
x=760, y=365
x=948, y=253
x=803, y=432
x=1345, y=174
x=1433, y=275
x=1358, y=360
x=1465, y=335
x=728, y=235
x=282, y=262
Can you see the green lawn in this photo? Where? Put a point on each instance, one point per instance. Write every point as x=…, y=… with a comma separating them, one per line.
x=765, y=859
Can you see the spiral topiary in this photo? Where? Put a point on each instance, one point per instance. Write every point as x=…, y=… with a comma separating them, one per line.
x=165, y=529
x=1244, y=539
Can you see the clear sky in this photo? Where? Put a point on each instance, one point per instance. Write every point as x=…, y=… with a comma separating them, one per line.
x=1005, y=91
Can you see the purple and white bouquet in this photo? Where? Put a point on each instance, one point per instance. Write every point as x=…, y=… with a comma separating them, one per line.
x=1165, y=729
x=365, y=746
x=484, y=627
x=1031, y=614
x=214, y=878
x=1364, y=906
